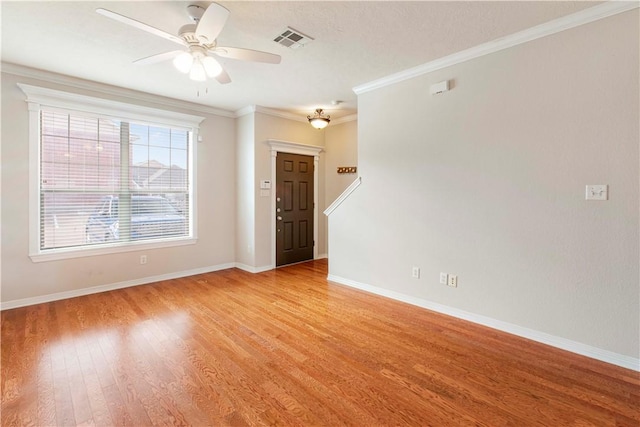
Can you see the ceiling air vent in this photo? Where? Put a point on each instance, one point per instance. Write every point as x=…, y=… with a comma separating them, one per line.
x=292, y=38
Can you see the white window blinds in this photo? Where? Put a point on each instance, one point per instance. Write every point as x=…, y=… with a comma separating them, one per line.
x=106, y=181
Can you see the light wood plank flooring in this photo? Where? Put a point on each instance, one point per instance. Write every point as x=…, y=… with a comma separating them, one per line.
x=286, y=347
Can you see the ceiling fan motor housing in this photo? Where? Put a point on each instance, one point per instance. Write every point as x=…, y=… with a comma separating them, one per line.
x=188, y=34
x=187, y=31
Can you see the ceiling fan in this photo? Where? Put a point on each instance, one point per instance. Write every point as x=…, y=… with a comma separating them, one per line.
x=199, y=39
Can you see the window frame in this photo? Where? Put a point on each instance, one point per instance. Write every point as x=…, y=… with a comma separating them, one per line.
x=39, y=98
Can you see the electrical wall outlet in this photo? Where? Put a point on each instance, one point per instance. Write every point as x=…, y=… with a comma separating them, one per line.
x=452, y=280
x=143, y=259
x=415, y=272
x=443, y=278
x=597, y=192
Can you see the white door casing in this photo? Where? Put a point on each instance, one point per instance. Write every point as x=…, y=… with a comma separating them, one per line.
x=294, y=148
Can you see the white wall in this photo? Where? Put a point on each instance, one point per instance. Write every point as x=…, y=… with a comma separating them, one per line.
x=245, y=188
x=22, y=279
x=341, y=146
x=488, y=181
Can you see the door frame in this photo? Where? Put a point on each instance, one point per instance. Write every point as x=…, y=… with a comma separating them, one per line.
x=278, y=146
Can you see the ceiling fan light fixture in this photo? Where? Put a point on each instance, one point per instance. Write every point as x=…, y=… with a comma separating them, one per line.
x=197, y=72
x=199, y=40
x=319, y=120
x=183, y=62
x=211, y=66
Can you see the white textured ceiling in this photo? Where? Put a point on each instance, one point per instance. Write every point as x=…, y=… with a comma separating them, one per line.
x=355, y=42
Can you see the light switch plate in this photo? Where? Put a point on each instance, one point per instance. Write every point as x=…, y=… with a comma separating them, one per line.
x=597, y=192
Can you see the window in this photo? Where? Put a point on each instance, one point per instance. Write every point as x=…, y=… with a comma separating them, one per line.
x=107, y=179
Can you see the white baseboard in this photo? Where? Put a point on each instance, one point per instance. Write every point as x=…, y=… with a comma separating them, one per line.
x=6, y=305
x=252, y=269
x=554, y=341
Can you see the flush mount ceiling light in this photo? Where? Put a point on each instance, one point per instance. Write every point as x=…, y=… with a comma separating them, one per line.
x=319, y=120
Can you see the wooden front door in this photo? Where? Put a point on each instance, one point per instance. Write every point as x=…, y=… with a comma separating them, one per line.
x=294, y=208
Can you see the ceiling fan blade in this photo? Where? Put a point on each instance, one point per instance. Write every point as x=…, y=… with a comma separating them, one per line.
x=223, y=77
x=140, y=25
x=154, y=59
x=247, y=54
x=212, y=22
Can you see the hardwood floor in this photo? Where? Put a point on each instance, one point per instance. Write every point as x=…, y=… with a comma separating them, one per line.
x=286, y=347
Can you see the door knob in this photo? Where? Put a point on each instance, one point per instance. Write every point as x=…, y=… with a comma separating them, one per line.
x=279, y=218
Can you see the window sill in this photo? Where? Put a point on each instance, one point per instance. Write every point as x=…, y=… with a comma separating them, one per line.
x=60, y=254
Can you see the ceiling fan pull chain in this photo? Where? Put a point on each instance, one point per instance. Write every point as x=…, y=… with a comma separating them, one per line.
x=206, y=91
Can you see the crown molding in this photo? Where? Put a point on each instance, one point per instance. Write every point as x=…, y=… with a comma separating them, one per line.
x=582, y=17
x=250, y=109
x=77, y=83
x=280, y=113
x=345, y=119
